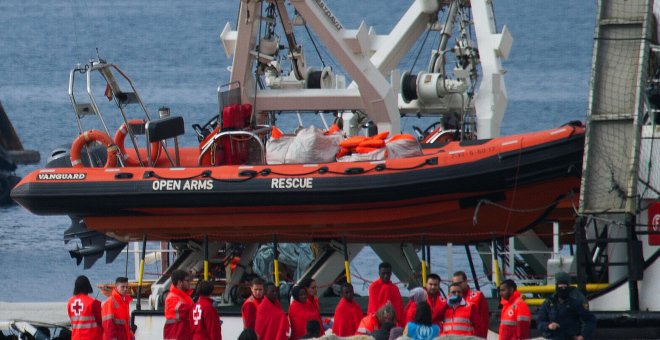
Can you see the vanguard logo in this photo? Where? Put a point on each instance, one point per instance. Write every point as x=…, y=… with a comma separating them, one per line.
x=61, y=177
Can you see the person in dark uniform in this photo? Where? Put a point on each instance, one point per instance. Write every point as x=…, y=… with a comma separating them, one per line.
x=564, y=317
x=573, y=292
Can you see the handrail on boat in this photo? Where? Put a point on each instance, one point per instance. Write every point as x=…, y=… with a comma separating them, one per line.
x=121, y=98
x=252, y=134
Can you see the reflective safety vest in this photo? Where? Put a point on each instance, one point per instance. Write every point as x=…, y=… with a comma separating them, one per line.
x=85, y=314
x=459, y=320
x=178, y=306
x=516, y=318
x=116, y=317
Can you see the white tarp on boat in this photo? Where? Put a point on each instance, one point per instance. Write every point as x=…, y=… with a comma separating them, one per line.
x=309, y=146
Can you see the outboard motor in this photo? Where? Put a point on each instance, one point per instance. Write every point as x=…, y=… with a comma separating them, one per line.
x=60, y=156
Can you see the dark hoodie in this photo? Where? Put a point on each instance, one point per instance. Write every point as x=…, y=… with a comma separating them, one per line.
x=572, y=316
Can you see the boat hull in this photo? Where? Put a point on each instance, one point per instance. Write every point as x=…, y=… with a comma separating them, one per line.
x=453, y=193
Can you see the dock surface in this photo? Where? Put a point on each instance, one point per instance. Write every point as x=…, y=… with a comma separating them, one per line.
x=47, y=312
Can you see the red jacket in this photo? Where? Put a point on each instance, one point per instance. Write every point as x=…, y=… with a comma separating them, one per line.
x=272, y=323
x=249, y=311
x=299, y=314
x=368, y=324
x=116, y=317
x=515, y=320
x=178, y=305
x=85, y=314
x=380, y=293
x=478, y=299
x=347, y=318
x=205, y=320
x=438, y=305
x=460, y=320
x=409, y=312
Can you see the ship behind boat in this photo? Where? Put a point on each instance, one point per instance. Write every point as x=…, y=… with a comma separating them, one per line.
x=11, y=155
x=466, y=185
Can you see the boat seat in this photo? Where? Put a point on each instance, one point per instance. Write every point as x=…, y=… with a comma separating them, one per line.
x=159, y=130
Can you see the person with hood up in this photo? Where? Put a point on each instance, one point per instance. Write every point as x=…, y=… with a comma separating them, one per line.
x=564, y=317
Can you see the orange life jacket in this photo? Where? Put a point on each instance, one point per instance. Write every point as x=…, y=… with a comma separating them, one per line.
x=85, y=314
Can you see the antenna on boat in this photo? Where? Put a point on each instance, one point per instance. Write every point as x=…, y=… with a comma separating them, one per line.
x=98, y=56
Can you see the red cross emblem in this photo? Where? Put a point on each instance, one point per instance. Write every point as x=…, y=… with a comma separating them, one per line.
x=197, y=314
x=77, y=307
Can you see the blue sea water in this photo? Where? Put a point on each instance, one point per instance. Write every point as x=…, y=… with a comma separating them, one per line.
x=172, y=52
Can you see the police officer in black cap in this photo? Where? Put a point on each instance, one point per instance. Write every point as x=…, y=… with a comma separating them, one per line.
x=563, y=316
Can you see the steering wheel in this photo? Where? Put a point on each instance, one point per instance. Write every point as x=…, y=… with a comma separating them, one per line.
x=422, y=134
x=203, y=131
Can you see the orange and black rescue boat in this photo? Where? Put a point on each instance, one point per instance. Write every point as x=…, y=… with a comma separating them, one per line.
x=458, y=191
